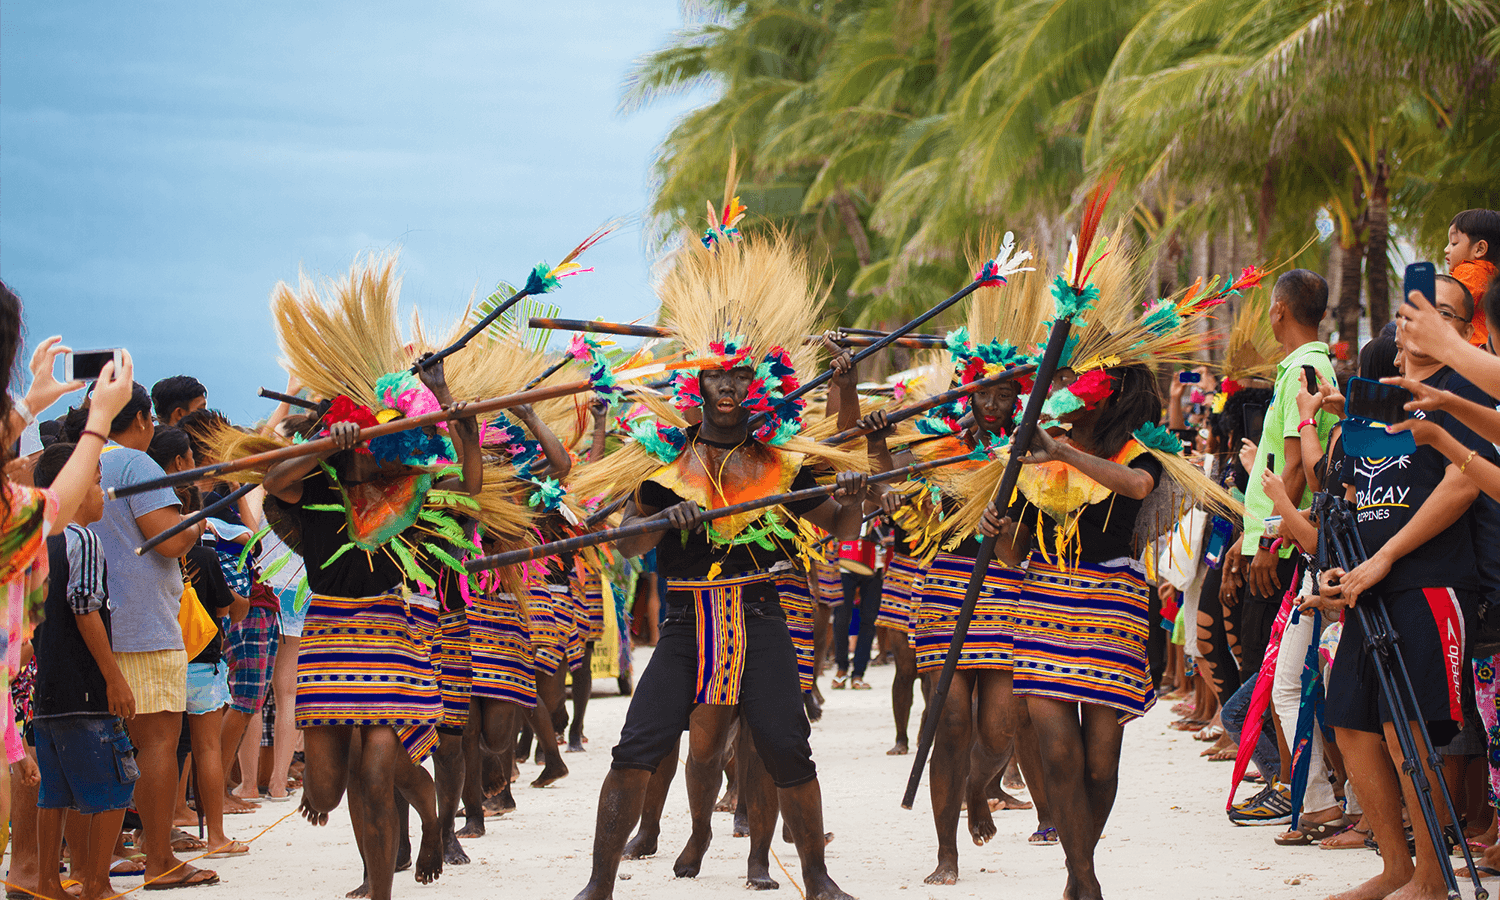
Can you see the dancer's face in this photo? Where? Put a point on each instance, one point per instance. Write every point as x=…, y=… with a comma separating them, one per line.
x=994, y=407
x=724, y=392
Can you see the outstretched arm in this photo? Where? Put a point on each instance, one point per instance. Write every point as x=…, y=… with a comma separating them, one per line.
x=559, y=463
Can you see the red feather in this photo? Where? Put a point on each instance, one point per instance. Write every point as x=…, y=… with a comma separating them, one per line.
x=1093, y=213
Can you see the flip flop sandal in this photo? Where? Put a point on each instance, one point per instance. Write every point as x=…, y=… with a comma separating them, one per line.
x=1483, y=870
x=1301, y=837
x=1228, y=754
x=135, y=868
x=859, y=684
x=231, y=849
x=839, y=681
x=1188, y=724
x=1210, y=734
x=191, y=880
x=1044, y=836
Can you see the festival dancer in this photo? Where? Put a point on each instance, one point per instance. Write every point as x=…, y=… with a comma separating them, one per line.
x=365, y=517
x=725, y=647
x=981, y=719
x=1080, y=623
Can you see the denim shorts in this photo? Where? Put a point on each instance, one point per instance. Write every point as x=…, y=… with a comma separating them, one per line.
x=87, y=763
x=207, y=687
x=291, y=618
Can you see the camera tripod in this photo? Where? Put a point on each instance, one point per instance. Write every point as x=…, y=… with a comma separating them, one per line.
x=1339, y=546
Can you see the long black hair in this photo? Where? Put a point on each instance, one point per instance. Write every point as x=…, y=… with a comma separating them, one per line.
x=1135, y=402
x=10, y=349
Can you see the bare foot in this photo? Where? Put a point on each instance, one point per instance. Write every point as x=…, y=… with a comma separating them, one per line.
x=945, y=873
x=473, y=828
x=741, y=824
x=1414, y=891
x=1377, y=888
x=981, y=823
x=453, y=851
x=728, y=802
x=496, y=783
x=361, y=892
x=758, y=877
x=576, y=744
x=430, y=856
x=900, y=748
x=812, y=705
x=690, y=860
x=1006, y=801
x=642, y=846
x=596, y=892
x=500, y=804
x=821, y=887
x=553, y=773
x=311, y=815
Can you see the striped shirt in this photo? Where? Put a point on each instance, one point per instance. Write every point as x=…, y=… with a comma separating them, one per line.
x=88, y=583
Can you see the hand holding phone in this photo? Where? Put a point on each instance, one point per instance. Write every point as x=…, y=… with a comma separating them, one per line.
x=1190, y=377
x=1421, y=278
x=85, y=365
x=1310, y=375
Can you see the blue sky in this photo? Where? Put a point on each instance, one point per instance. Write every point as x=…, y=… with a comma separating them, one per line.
x=164, y=164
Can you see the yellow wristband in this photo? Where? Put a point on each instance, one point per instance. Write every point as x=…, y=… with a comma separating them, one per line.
x=1463, y=465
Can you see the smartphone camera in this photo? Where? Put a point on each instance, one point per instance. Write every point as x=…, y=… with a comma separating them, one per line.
x=1190, y=377
x=85, y=365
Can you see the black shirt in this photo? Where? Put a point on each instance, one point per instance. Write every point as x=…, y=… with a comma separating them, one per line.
x=68, y=679
x=1389, y=491
x=692, y=555
x=355, y=573
x=1106, y=530
x=203, y=572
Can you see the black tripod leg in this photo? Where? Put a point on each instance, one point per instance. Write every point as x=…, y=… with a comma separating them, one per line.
x=1429, y=752
x=1381, y=643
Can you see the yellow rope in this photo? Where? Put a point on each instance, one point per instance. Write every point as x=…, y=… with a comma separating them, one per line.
x=205, y=854
x=788, y=875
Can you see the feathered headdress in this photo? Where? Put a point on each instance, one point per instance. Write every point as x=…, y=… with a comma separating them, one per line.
x=1252, y=351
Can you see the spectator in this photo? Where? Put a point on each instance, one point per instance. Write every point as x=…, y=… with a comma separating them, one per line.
x=147, y=639
x=81, y=700
x=207, y=673
x=1413, y=515
x=176, y=397
x=1473, y=248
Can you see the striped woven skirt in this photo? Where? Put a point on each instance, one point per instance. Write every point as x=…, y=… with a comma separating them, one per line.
x=554, y=628
x=1081, y=635
x=830, y=581
x=719, y=620
x=797, y=603
x=588, y=603
x=988, y=642
x=501, y=651
x=899, y=589
x=368, y=661
x=454, y=660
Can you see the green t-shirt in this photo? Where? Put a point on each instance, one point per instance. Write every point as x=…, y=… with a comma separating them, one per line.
x=1282, y=419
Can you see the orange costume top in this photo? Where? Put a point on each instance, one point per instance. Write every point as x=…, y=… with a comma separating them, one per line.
x=1476, y=275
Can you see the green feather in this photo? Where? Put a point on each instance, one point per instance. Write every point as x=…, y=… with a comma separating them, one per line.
x=304, y=592
x=409, y=563
x=276, y=566
x=337, y=553
x=448, y=559
x=250, y=545
x=324, y=507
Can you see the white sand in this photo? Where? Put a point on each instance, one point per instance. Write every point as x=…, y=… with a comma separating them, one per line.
x=1168, y=836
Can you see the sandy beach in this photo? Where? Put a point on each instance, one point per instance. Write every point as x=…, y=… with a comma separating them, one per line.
x=1168, y=836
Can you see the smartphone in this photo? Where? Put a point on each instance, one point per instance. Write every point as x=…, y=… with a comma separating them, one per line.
x=1310, y=375
x=1190, y=377
x=1372, y=401
x=1420, y=277
x=1271, y=462
x=1255, y=420
x=85, y=365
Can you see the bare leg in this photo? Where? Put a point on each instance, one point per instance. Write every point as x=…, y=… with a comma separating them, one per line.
x=583, y=687
x=620, y=801
x=284, y=684
x=902, y=687
x=417, y=787
x=205, y=730
x=1080, y=761
x=762, y=807
x=249, y=756
x=473, y=793
x=707, y=738
x=24, y=856
x=448, y=770
x=549, y=689
x=803, y=808
x=98, y=850
x=948, y=773
x=236, y=726
x=380, y=753
x=49, y=835
x=644, y=843
x=155, y=737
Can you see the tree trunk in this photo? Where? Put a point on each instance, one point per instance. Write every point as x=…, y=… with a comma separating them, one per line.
x=1377, y=267
x=1351, y=253
x=1265, y=209
x=849, y=216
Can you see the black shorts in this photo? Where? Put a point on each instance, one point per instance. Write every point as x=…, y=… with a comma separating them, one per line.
x=770, y=702
x=1430, y=624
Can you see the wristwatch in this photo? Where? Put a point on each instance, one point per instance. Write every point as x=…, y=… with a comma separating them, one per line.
x=1267, y=543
